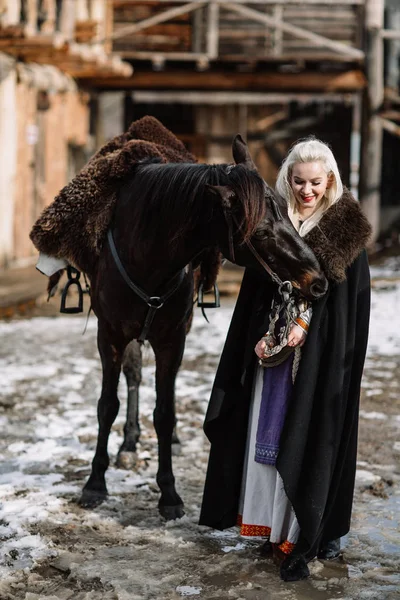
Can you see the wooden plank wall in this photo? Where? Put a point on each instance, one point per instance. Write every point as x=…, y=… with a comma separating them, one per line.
x=174, y=35
x=238, y=36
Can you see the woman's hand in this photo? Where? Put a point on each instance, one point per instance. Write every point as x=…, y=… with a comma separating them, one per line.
x=260, y=348
x=297, y=336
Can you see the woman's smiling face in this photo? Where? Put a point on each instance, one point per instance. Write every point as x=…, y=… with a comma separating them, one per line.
x=309, y=182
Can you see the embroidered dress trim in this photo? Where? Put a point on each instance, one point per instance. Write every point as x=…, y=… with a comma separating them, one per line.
x=255, y=530
x=262, y=531
x=286, y=547
x=266, y=455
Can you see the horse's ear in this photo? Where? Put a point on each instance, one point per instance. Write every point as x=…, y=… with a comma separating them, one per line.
x=241, y=154
x=224, y=192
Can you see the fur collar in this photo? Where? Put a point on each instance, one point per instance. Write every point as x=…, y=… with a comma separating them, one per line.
x=339, y=237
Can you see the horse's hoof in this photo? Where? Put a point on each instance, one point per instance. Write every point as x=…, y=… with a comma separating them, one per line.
x=127, y=460
x=91, y=499
x=294, y=568
x=170, y=513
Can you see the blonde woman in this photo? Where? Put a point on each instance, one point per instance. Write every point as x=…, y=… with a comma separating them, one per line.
x=283, y=422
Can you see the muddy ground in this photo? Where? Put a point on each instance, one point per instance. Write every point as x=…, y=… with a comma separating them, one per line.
x=53, y=549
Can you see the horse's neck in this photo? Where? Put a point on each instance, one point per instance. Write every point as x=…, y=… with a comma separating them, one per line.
x=153, y=262
x=160, y=253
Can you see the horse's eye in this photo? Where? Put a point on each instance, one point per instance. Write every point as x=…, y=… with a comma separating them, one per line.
x=261, y=234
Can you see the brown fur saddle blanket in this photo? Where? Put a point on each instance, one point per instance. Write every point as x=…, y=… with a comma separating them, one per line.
x=75, y=224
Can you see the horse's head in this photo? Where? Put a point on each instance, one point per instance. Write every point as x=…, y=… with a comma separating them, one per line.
x=260, y=232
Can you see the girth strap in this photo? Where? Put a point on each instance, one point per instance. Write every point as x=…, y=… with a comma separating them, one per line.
x=153, y=302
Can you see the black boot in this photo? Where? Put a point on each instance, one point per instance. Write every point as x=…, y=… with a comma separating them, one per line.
x=266, y=548
x=294, y=568
x=330, y=550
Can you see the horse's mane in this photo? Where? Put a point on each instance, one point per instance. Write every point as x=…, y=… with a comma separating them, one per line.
x=182, y=188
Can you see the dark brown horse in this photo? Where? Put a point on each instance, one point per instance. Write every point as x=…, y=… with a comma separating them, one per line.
x=166, y=216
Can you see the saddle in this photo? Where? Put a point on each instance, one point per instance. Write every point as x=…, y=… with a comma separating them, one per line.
x=74, y=226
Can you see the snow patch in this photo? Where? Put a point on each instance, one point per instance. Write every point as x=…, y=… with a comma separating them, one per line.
x=366, y=477
x=373, y=415
x=239, y=546
x=188, y=590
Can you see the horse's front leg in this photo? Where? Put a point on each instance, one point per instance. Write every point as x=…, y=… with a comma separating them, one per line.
x=168, y=360
x=132, y=368
x=95, y=490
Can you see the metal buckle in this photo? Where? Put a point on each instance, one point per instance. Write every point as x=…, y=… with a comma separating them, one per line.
x=285, y=289
x=155, y=302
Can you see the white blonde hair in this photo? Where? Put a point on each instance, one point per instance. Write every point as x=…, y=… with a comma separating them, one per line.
x=306, y=151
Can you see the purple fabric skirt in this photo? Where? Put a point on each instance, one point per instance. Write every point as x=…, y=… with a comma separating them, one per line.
x=276, y=392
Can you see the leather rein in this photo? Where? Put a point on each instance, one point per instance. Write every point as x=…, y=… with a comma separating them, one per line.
x=230, y=219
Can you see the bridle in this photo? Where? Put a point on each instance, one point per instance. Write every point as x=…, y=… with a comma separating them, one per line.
x=156, y=302
x=153, y=302
x=230, y=221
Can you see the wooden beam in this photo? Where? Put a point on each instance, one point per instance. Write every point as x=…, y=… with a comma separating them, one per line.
x=68, y=19
x=197, y=30
x=355, y=146
x=392, y=115
x=373, y=149
x=174, y=29
x=392, y=96
x=350, y=81
x=32, y=8
x=154, y=54
x=267, y=122
x=217, y=98
x=212, y=29
x=390, y=34
x=278, y=33
x=49, y=24
x=390, y=126
x=294, y=56
x=109, y=25
x=318, y=40
x=393, y=49
x=81, y=10
x=160, y=18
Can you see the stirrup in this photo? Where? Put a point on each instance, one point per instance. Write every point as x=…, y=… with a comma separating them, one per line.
x=200, y=297
x=73, y=279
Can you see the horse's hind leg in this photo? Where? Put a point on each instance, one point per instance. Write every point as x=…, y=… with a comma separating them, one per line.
x=168, y=360
x=95, y=490
x=132, y=368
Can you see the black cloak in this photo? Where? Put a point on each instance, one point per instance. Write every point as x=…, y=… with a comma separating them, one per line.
x=317, y=457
